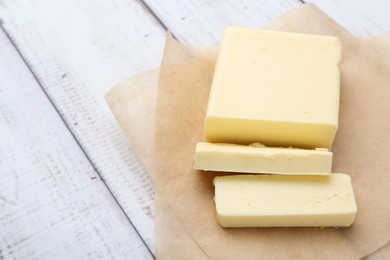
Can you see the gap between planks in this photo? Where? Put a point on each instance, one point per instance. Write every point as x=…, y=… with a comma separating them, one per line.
x=74, y=137
x=108, y=33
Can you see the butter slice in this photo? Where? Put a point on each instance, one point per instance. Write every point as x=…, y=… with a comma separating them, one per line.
x=284, y=200
x=277, y=88
x=260, y=159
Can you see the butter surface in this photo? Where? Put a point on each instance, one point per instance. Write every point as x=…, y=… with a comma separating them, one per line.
x=284, y=200
x=258, y=159
x=276, y=88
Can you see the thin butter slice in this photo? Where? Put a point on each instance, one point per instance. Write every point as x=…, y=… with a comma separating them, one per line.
x=260, y=159
x=284, y=200
x=277, y=88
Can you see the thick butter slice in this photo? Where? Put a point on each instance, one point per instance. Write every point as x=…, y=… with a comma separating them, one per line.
x=284, y=200
x=259, y=159
x=275, y=88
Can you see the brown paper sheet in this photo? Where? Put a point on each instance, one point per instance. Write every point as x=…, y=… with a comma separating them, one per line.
x=185, y=215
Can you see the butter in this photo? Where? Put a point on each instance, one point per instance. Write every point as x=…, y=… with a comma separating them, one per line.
x=284, y=200
x=260, y=159
x=276, y=88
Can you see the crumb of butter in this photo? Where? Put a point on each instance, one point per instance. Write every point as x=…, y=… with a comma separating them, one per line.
x=257, y=145
x=260, y=145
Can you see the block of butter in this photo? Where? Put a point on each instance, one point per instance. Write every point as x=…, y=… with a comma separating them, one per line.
x=284, y=200
x=276, y=88
x=256, y=158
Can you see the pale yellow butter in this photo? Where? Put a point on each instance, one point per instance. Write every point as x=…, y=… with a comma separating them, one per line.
x=284, y=200
x=276, y=88
x=255, y=159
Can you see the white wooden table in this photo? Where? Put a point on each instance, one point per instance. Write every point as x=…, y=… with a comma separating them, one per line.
x=70, y=185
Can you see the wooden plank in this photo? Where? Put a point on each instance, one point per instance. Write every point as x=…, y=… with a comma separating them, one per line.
x=53, y=204
x=79, y=50
x=361, y=18
x=203, y=22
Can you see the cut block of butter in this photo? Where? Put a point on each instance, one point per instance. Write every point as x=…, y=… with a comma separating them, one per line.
x=256, y=158
x=276, y=88
x=284, y=200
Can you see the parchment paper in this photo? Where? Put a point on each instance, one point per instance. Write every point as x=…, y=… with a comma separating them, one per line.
x=186, y=226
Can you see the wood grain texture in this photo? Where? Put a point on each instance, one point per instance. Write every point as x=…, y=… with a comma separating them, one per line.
x=203, y=22
x=53, y=204
x=78, y=50
x=361, y=18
